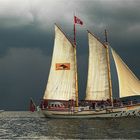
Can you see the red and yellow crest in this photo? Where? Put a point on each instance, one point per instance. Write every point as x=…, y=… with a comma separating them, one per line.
x=62, y=66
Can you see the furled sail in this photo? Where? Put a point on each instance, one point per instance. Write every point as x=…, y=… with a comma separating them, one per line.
x=129, y=85
x=97, y=82
x=61, y=81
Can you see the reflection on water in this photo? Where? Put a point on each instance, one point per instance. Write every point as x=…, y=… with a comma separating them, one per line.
x=31, y=125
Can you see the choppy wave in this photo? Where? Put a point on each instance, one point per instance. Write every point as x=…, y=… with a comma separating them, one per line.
x=27, y=125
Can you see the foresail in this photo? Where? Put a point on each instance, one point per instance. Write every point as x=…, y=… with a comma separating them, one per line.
x=97, y=82
x=129, y=85
x=61, y=81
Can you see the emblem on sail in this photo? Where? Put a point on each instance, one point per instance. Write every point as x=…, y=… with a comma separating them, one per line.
x=62, y=66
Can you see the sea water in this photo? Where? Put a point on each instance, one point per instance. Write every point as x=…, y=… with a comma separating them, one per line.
x=27, y=125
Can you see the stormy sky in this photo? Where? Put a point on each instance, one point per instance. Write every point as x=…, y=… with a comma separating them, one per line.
x=27, y=37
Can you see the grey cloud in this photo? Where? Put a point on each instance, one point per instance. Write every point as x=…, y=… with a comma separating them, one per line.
x=116, y=15
x=42, y=12
x=27, y=37
x=15, y=13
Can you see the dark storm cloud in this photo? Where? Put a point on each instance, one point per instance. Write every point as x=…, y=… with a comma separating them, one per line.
x=22, y=75
x=121, y=18
x=27, y=35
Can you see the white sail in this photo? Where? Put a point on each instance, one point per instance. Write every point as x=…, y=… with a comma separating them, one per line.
x=129, y=85
x=61, y=81
x=97, y=82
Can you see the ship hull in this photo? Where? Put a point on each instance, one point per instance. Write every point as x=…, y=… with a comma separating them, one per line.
x=127, y=111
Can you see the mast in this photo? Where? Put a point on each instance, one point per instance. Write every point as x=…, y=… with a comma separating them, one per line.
x=108, y=66
x=76, y=21
x=76, y=80
x=74, y=31
x=106, y=39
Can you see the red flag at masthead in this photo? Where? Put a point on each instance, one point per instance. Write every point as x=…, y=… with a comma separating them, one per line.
x=77, y=20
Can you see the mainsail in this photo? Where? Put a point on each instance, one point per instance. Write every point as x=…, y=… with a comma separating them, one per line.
x=129, y=85
x=97, y=82
x=61, y=81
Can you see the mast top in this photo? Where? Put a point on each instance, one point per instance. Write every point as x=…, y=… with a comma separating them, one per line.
x=106, y=37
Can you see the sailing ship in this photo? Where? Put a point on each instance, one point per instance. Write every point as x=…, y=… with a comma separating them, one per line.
x=61, y=95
